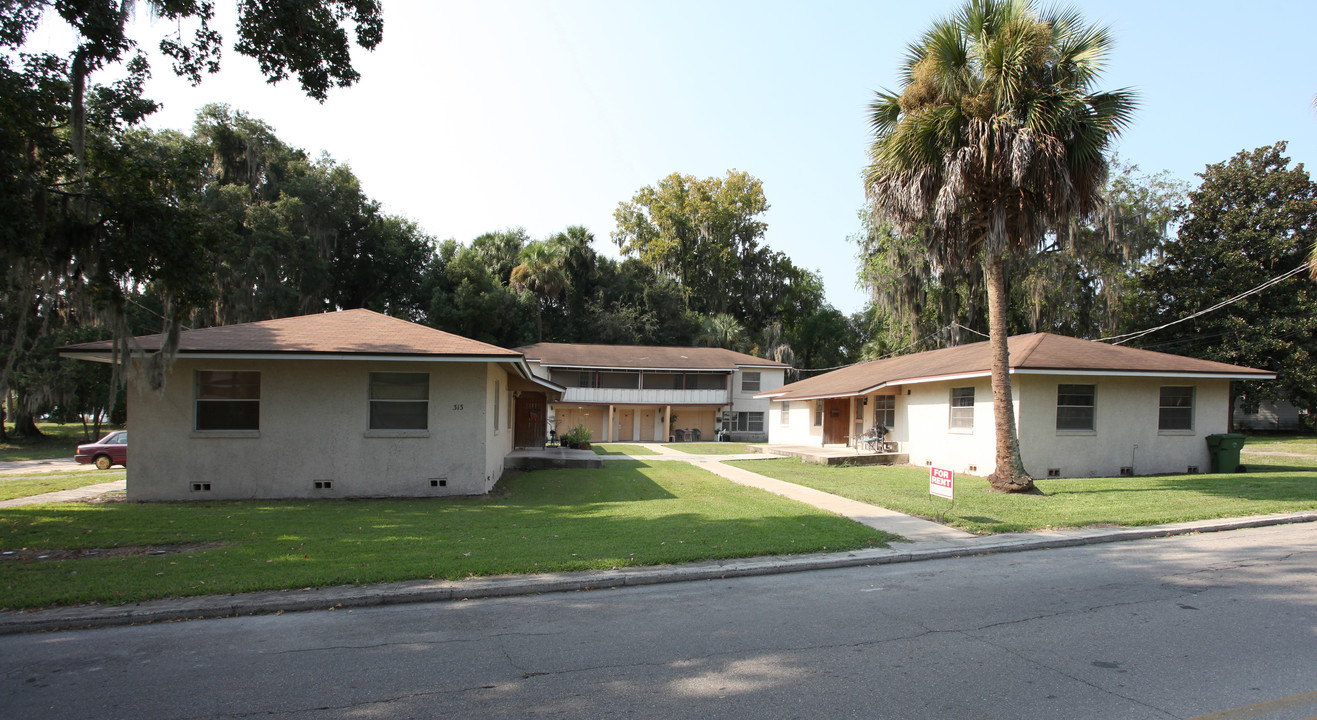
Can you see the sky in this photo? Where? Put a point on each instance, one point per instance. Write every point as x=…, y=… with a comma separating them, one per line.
x=477, y=116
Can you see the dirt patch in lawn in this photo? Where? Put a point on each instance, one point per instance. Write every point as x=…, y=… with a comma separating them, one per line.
x=39, y=555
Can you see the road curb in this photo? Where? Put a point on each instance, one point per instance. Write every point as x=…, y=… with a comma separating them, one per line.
x=351, y=596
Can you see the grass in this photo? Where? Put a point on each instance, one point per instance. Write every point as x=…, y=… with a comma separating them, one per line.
x=1297, y=444
x=60, y=441
x=1273, y=484
x=16, y=486
x=620, y=449
x=711, y=448
x=630, y=513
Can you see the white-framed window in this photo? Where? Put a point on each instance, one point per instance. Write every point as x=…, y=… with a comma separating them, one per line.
x=227, y=400
x=749, y=382
x=399, y=401
x=818, y=413
x=1074, y=407
x=884, y=411
x=784, y=417
x=1175, y=410
x=962, y=409
x=498, y=401
x=748, y=422
x=510, y=409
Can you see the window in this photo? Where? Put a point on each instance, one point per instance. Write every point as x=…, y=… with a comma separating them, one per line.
x=1074, y=407
x=884, y=410
x=785, y=416
x=749, y=382
x=818, y=413
x=1176, y=408
x=228, y=400
x=748, y=422
x=400, y=401
x=962, y=408
x=498, y=400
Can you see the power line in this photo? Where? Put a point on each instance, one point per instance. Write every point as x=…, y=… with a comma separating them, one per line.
x=1121, y=339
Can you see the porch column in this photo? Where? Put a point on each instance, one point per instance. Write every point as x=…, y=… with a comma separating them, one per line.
x=608, y=431
x=667, y=420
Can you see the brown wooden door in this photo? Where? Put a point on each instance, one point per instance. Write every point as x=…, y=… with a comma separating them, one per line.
x=529, y=431
x=835, y=418
x=625, y=425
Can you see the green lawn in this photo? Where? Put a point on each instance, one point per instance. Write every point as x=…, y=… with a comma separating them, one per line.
x=1273, y=484
x=711, y=448
x=1298, y=444
x=16, y=486
x=60, y=441
x=629, y=513
x=620, y=449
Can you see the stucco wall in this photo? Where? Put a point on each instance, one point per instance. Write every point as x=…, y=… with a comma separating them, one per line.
x=499, y=436
x=1125, y=435
x=926, y=434
x=313, y=427
x=799, y=429
x=744, y=400
x=1125, y=416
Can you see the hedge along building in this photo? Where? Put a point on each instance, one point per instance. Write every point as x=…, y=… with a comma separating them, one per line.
x=343, y=404
x=1082, y=408
x=641, y=393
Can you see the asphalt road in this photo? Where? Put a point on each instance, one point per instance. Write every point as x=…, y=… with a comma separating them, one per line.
x=1169, y=628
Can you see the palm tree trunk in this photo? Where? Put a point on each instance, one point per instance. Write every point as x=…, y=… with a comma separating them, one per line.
x=1009, y=475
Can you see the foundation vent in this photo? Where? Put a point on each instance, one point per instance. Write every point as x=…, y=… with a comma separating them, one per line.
x=1127, y=472
x=438, y=482
x=1192, y=470
x=1054, y=472
x=973, y=468
x=928, y=463
x=200, y=487
x=323, y=484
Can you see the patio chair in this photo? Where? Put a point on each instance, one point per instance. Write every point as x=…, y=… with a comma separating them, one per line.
x=695, y=433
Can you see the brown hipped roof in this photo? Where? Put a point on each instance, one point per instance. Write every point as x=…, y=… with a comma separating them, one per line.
x=1034, y=353
x=348, y=332
x=641, y=357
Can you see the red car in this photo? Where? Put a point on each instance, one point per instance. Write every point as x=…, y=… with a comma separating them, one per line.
x=109, y=450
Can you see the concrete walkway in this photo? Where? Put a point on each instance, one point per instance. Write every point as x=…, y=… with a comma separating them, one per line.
x=83, y=493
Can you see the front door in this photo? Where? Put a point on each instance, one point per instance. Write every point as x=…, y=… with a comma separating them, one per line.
x=530, y=422
x=835, y=419
x=625, y=425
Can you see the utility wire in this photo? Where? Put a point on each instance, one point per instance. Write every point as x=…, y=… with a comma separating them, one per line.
x=1121, y=339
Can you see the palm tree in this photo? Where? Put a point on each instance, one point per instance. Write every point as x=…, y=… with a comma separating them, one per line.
x=722, y=330
x=994, y=139
x=541, y=272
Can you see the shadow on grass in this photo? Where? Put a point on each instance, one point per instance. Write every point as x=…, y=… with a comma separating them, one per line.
x=627, y=514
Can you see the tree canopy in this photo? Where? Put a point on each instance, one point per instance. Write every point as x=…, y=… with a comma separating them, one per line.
x=1251, y=219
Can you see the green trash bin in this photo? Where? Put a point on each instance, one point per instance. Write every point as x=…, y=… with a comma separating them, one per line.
x=1223, y=449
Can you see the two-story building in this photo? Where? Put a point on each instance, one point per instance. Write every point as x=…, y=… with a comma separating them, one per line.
x=638, y=393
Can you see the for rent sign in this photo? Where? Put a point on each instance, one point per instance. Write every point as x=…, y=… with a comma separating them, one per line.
x=941, y=482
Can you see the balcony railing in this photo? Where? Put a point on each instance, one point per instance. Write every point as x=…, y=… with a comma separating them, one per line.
x=631, y=396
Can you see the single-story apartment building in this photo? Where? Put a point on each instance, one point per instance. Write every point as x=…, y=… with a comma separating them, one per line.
x=1082, y=408
x=639, y=393
x=341, y=404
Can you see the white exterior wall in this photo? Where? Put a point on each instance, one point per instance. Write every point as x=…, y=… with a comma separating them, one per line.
x=1125, y=415
x=498, y=440
x=745, y=401
x=313, y=426
x=1125, y=412
x=924, y=431
x=799, y=429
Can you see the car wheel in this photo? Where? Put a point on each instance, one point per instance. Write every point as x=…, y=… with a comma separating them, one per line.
x=103, y=462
